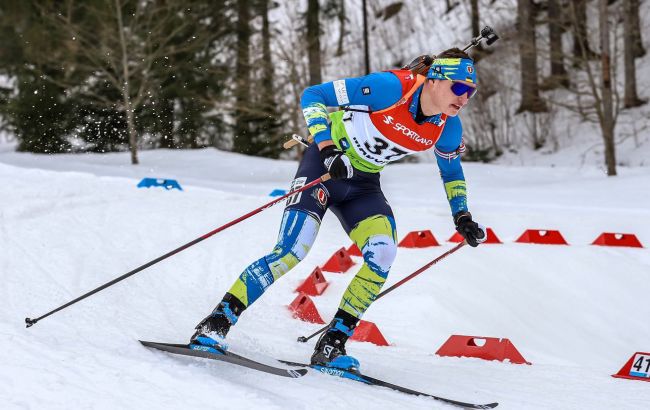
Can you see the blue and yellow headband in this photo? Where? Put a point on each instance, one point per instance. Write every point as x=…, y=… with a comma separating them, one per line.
x=455, y=69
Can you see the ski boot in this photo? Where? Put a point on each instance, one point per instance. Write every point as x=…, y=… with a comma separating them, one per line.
x=211, y=333
x=330, y=348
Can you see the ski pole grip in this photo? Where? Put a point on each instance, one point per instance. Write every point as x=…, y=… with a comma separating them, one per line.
x=297, y=139
x=289, y=144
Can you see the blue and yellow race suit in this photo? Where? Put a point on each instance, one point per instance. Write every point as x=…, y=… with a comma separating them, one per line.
x=377, y=126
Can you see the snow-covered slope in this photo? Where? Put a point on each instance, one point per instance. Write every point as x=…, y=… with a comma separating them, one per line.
x=70, y=223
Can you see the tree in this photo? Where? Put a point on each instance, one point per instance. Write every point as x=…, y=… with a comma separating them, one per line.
x=530, y=98
x=631, y=98
x=605, y=108
x=182, y=110
x=479, y=51
x=265, y=123
x=559, y=76
x=635, y=25
x=313, y=42
x=366, y=45
x=342, y=19
x=335, y=10
x=119, y=48
x=596, y=97
x=242, y=136
x=37, y=112
x=578, y=11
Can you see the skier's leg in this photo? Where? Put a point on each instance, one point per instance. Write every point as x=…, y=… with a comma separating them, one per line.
x=297, y=235
x=300, y=224
x=376, y=237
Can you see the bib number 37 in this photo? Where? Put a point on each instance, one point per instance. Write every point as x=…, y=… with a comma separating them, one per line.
x=384, y=149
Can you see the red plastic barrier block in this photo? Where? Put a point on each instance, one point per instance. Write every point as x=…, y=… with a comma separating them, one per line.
x=543, y=237
x=419, y=239
x=487, y=348
x=339, y=262
x=369, y=332
x=353, y=250
x=637, y=368
x=491, y=237
x=314, y=285
x=618, y=239
x=303, y=308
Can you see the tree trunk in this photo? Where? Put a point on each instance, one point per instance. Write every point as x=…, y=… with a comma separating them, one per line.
x=477, y=52
x=631, y=98
x=341, y=17
x=607, y=117
x=581, y=49
x=126, y=88
x=267, y=63
x=133, y=136
x=530, y=99
x=558, y=72
x=475, y=17
x=165, y=121
x=366, y=47
x=267, y=140
x=242, y=137
x=639, y=51
x=313, y=42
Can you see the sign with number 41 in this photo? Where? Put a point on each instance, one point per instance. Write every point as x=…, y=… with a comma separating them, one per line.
x=637, y=368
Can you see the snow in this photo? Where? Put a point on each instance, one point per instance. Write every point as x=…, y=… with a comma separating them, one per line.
x=69, y=223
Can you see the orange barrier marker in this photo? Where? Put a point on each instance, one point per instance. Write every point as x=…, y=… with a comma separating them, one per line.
x=487, y=348
x=637, y=368
x=491, y=237
x=353, y=250
x=339, y=262
x=314, y=285
x=543, y=237
x=618, y=239
x=419, y=239
x=303, y=308
x=369, y=332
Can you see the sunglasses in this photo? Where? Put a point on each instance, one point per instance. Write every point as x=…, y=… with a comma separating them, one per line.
x=460, y=88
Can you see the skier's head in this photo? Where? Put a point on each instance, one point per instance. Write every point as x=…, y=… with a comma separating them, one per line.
x=451, y=81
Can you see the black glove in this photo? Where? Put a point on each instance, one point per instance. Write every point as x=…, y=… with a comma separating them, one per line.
x=473, y=232
x=336, y=163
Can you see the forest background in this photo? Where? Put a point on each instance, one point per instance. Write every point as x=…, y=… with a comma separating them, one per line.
x=127, y=75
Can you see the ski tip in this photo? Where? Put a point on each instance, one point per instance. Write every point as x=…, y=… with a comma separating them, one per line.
x=489, y=406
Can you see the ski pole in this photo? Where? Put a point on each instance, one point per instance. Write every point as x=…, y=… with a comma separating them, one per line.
x=31, y=322
x=304, y=339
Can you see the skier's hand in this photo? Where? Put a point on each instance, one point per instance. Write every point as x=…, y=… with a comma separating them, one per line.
x=473, y=232
x=336, y=162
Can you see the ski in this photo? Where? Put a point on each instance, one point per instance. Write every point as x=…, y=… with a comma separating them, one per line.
x=376, y=382
x=224, y=356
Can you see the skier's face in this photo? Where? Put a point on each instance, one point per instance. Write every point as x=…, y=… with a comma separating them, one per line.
x=444, y=96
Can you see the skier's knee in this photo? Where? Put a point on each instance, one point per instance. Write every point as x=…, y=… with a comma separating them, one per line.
x=377, y=239
x=297, y=235
x=379, y=254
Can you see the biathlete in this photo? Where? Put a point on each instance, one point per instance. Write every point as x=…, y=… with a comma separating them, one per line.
x=383, y=117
